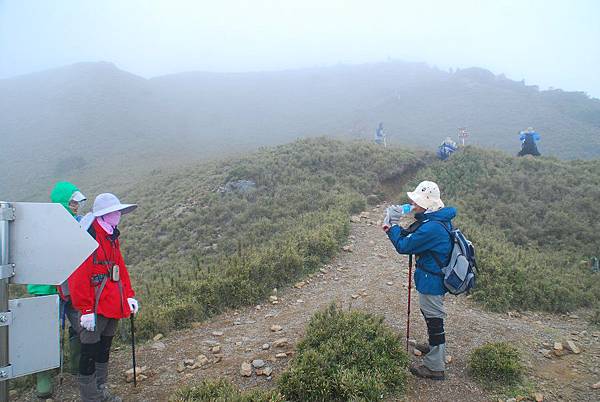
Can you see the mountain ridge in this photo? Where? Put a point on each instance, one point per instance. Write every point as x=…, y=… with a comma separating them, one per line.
x=84, y=109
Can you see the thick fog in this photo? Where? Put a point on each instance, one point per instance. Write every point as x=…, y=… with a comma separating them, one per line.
x=549, y=43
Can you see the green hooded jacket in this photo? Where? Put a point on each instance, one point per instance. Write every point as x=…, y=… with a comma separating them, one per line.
x=61, y=194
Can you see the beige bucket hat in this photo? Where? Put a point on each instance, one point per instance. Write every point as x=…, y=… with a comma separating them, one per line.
x=427, y=195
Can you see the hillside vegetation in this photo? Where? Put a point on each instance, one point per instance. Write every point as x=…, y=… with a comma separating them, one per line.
x=534, y=223
x=58, y=124
x=195, y=251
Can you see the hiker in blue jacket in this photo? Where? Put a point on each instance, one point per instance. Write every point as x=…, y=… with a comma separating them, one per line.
x=447, y=148
x=528, y=139
x=429, y=241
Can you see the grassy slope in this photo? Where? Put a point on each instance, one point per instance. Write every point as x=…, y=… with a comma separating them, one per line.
x=195, y=252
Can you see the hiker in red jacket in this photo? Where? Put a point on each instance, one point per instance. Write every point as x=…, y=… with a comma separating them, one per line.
x=101, y=292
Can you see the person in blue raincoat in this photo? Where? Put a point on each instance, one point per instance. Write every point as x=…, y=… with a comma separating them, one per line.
x=428, y=240
x=529, y=138
x=447, y=148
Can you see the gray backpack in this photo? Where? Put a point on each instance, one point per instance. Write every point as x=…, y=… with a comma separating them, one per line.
x=459, y=272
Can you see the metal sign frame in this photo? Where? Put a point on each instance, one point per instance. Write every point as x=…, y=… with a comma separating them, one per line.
x=39, y=243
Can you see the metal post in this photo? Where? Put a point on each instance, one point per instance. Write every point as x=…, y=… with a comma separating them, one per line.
x=4, y=361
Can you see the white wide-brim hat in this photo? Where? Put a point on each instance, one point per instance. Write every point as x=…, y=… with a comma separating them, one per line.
x=427, y=195
x=106, y=203
x=77, y=196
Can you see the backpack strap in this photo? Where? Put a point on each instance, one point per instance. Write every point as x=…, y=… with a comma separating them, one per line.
x=413, y=228
x=92, y=231
x=422, y=267
x=444, y=226
x=435, y=257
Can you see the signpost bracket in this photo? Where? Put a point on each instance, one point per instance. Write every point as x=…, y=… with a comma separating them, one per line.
x=7, y=214
x=6, y=373
x=7, y=271
x=5, y=318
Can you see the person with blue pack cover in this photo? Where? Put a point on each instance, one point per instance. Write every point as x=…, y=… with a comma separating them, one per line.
x=429, y=240
x=447, y=148
x=528, y=139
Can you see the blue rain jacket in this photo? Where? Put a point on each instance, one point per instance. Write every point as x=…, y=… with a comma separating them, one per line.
x=429, y=237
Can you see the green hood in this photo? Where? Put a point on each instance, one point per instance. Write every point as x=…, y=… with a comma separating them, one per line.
x=62, y=192
x=42, y=290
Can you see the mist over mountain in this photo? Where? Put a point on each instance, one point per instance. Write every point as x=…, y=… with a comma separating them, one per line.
x=88, y=121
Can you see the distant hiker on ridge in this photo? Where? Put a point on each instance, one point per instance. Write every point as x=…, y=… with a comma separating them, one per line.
x=528, y=142
x=447, y=148
x=429, y=241
x=380, y=135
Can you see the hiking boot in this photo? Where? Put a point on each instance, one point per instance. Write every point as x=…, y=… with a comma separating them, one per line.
x=106, y=395
x=423, y=372
x=88, y=388
x=423, y=348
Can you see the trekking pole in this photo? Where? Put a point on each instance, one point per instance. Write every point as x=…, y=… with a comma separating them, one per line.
x=133, y=350
x=410, y=262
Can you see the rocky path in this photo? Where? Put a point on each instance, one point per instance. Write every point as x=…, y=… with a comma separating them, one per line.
x=372, y=277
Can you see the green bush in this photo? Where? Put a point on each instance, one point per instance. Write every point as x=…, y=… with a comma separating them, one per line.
x=496, y=364
x=345, y=356
x=223, y=391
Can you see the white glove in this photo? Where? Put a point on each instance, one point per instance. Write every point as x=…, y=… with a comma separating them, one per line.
x=88, y=321
x=392, y=215
x=133, y=305
x=386, y=220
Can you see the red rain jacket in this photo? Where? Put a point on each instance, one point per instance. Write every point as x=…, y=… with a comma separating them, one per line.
x=86, y=280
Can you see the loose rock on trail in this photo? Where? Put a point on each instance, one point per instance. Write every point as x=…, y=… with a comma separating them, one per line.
x=252, y=346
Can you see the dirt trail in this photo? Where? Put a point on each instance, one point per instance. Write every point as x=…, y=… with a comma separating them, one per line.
x=372, y=277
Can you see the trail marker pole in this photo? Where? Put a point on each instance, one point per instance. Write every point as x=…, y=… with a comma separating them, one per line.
x=6, y=215
x=463, y=134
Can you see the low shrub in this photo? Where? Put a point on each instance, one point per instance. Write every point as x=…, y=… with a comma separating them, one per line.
x=345, y=356
x=496, y=364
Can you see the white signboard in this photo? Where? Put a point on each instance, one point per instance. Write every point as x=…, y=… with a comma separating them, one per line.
x=33, y=335
x=46, y=243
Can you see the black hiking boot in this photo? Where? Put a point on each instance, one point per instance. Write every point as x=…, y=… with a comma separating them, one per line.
x=423, y=372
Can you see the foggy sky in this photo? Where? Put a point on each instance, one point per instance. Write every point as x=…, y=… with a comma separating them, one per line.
x=548, y=43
